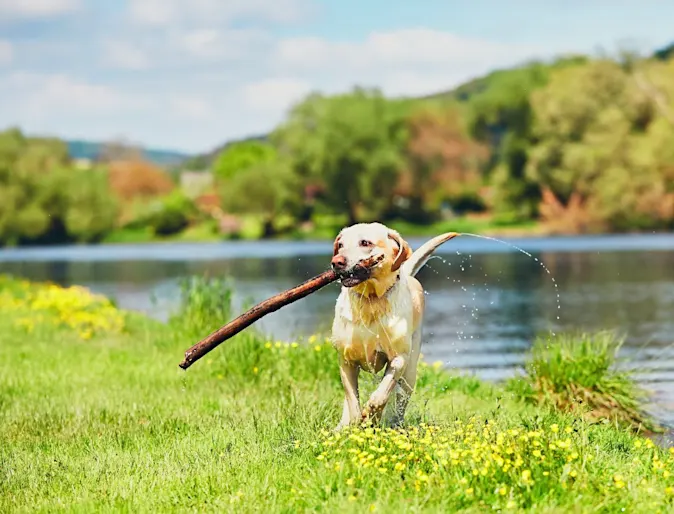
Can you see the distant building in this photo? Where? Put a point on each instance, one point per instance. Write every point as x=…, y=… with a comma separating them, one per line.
x=195, y=183
x=83, y=163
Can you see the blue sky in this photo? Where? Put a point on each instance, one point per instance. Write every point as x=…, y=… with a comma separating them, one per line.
x=190, y=74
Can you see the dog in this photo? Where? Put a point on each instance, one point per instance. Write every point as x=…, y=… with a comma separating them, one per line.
x=378, y=316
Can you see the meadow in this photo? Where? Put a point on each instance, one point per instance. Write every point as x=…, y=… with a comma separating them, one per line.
x=96, y=416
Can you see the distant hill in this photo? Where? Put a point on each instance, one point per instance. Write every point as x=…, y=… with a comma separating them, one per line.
x=203, y=161
x=91, y=149
x=665, y=53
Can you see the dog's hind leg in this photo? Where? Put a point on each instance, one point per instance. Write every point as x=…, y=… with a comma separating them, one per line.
x=407, y=382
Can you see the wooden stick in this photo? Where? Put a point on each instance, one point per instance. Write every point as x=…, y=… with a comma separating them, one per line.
x=251, y=316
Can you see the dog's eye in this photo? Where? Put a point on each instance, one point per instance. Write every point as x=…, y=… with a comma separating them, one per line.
x=365, y=243
x=340, y=246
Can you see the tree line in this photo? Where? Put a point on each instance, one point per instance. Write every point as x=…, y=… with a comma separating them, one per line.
x=580, y=145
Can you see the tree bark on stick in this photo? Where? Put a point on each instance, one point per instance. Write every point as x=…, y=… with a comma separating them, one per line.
x=252, y=315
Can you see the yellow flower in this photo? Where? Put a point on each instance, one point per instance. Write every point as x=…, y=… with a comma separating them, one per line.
x=312, y=339
x=255, y=370
x=317, y=347
x=554, y=428
x=294, y=345
x=350, y=481
x=277, y=344
x=352, y=498
x=437, y=365
x=469, y=491
x=268, y=345
x=502, y=491
x=373, y=507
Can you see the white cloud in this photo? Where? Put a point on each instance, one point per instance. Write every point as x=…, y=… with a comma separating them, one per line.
x=402, y=62
x=6, y=52
x=275, y=95
x=213, y=12
x=122, y=54
x=191, y=108
x=15, y=9
x=45, y=94
x=211, y=44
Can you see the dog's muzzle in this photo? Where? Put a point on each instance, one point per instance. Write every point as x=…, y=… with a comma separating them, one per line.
x=355, y=275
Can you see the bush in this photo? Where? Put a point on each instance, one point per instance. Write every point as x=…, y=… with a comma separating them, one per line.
x=174, y=214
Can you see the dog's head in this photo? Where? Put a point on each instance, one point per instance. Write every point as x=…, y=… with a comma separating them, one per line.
x=357, y=247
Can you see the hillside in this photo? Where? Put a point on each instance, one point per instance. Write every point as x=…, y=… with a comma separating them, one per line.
x=90, y=150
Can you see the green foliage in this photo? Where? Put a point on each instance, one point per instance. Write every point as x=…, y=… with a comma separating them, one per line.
x=44, y=199
x=172, y=214
x=266, y=189
x=351, y=145
x=599, y=137
x=239, y=157
x=205, y=305
x=89, y=210
x=580, y=374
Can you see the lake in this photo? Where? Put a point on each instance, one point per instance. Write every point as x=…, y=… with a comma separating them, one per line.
x=486, y=300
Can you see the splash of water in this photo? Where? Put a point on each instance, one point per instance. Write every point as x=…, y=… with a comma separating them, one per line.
x=522, y=250
x=468, y=263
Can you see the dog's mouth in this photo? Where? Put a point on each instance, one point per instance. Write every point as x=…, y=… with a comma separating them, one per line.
x=356, y=275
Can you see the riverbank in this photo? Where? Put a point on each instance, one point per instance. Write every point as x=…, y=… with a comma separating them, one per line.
x=96, y=416
x=326, y=227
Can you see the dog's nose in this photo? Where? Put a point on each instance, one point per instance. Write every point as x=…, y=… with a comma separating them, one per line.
x=338, y=262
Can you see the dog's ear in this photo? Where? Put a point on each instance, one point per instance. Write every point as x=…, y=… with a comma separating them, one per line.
x=404, y=250
x=335, y=245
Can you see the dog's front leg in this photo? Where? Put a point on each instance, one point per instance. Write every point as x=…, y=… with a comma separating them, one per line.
x=379, y=398
x=348, y=372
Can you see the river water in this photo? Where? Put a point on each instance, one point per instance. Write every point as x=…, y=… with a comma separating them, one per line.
x=486, y=301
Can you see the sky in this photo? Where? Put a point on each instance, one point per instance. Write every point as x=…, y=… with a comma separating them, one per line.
x=189, y=75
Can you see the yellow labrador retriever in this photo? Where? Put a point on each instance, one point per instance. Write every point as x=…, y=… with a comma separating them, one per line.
x=378, y=315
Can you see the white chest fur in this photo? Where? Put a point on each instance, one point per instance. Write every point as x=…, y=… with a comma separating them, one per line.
x=364, y=326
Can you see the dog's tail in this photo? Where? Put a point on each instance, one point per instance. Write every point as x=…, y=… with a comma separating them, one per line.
x=421, y=255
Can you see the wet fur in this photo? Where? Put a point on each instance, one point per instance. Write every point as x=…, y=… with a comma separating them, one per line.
x=378, y=322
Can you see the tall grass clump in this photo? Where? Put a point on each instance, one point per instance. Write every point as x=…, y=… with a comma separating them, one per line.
x=205, y=305
x=580, y=374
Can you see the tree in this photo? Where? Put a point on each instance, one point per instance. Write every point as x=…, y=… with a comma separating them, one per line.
x=137, y=178
x=266, y=190
x=350, y=144
x=602, y=142
x=43, y=199
x=241, y=156
x=89, y=210
x=443, y=161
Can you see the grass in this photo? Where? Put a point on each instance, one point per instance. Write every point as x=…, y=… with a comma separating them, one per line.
x=579, y=373
x=325, y=228
x=107, y=422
